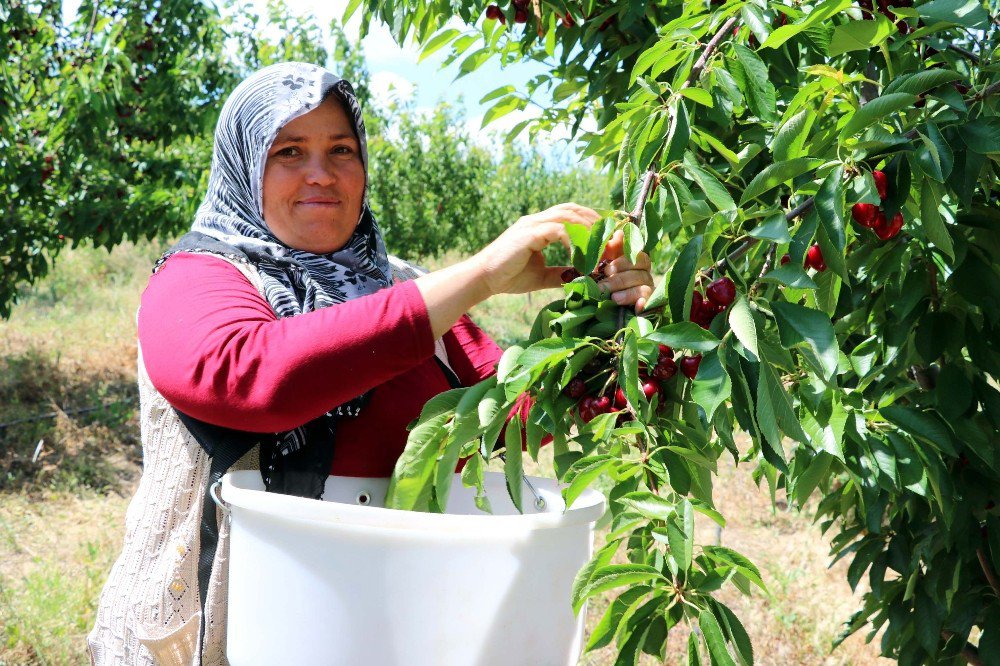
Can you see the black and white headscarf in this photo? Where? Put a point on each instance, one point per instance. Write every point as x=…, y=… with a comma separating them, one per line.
x=295, y=281
x=230, y=221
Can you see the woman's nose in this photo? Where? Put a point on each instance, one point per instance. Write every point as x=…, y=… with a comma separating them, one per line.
x=320, y=171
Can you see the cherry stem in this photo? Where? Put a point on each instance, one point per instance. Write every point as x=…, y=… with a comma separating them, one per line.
x=988, y=571
x=768, y=262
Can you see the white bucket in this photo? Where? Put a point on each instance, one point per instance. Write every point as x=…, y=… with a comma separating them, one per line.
x=339, y=582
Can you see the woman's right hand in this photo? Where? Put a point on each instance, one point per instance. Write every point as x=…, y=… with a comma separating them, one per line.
x=513, y=263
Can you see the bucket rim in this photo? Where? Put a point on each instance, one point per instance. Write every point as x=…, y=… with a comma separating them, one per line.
x=587, y=508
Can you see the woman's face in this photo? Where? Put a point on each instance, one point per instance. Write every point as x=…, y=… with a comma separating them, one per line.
x=314, y=181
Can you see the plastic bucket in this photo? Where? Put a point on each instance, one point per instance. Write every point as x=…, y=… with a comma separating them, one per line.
x=347, y=581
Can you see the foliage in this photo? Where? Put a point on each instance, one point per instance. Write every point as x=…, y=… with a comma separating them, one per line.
x=743, y=132
x=106, y=132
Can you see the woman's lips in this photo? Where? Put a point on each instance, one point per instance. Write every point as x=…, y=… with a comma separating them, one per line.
x=319, y=201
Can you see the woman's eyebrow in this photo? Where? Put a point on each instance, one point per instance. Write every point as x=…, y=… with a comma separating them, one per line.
x=302, y=139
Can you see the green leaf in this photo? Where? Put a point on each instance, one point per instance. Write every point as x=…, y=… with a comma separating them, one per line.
x=615, y=575
x=830, y=207
x=466, y=424
x=921, y=82
x=982, y=135
x=680, y=535
x=633, y=242
x=774, y=407
x=678, y=135
x=605, y=629
x=629, y=371
x=585, y=471
x=710, y=185
x=858, y=36
x=742, y=323
x=414, y=467
x=698, y=95
x=798, y=324
x=775, y=174
x=751, y=74
x=737, y=633
x=924, y=426
x=930, y=218
x=649, y=505
x=498, y=92
x=712, y=386
x=684, y=335
x=681, y=279
x=774, y=228
x=790, y=275
x=583, y=577
x=502, y=108
x=875, y=110
x=512, y=466
x=968, y=13
x=820, y=13
x=811, y=476
x=715, y=639
x=792, y=135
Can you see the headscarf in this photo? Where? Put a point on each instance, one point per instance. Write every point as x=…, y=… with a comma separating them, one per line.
x=295, y=281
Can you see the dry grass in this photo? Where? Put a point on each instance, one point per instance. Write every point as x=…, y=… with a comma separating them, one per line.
x=72, y=343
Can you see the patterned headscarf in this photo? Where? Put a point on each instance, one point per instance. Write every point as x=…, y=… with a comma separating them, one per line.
x=295, y=281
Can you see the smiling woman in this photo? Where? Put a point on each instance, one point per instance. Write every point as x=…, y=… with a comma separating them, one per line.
x=314, y=180
x=279, y=336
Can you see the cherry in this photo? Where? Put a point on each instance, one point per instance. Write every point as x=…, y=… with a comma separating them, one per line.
x=665, y=369
x=721, y=292
x=620, y=400
x=586, y=408
x=864, y=214
x=814, y=258
x=649, y=389
x=696, y=302
x=602, y=404
x=886, y=230
x=991, y=505
x=961, y=88
x=785, y=259
x=520, y=15
x=689, y=365
x=567, y=21
x=493, y=12
x=666, y=351
x=569, y=275
x=576, y=388
x=881, y=183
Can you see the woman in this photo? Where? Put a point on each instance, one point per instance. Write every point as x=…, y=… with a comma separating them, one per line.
x=279, y=336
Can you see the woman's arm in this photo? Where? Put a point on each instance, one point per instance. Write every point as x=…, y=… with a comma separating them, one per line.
x=216, y=351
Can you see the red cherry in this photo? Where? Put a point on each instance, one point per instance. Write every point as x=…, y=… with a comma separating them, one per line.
x=961, y=88
x=696, y=303
x=649, y=389
x=814, y=258
x=785, y=259
x=569, y=275
x=602, y=404
x=520, y=16
x=864, y=214
x=721, y=292
x=881, y=183
x=576, y=388
x=666, y=351
x=620, y=400
x=689, y=365
x=568, y=21
x=493, y=12
x=886, y=230
x=665, y=369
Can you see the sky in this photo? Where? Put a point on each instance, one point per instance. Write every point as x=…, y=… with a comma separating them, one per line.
x=396, y=74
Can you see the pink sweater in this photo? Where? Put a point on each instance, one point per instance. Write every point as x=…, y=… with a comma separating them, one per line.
x=216, y=351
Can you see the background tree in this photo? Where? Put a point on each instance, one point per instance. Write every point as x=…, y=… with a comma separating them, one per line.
x=106, y=131
x=820, y=180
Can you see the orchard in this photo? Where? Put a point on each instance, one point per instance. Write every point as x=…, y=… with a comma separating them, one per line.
x=816, y=183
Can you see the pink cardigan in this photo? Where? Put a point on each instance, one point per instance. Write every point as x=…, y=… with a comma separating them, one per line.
x=216, y=351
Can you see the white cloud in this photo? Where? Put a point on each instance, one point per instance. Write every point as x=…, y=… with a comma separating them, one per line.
x=389, y=87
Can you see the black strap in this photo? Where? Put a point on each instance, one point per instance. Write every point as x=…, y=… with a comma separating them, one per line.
x=449, y=374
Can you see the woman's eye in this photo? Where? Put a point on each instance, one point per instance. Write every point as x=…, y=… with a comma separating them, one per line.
x=342, y=150
x=287, y=152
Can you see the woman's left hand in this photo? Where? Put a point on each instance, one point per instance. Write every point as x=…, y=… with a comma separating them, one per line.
x=629, y=284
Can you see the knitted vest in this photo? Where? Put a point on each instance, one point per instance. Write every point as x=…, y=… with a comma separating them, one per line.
x=150, y=611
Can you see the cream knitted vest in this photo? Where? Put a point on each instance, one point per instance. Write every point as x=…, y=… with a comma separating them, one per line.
x=149, y=610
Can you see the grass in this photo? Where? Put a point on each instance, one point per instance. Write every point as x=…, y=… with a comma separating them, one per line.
x=71, y=345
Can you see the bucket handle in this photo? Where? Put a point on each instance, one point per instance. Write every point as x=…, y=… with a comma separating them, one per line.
x=539, y=500
x=213, y=492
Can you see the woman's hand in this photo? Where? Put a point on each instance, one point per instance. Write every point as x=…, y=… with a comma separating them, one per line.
x=628, y=283
x=513, y=263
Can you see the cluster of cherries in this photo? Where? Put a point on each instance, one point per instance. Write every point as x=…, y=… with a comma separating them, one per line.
x=614, y=400
x=718, y=296
x=872, y=217
x=494, y=13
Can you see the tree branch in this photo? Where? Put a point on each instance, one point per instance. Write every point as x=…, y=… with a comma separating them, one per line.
x=989, y=90
x=964, y=52
x=702, y=62
x=988, y=571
